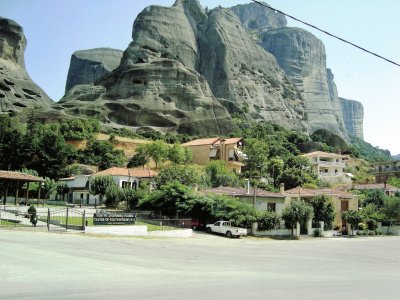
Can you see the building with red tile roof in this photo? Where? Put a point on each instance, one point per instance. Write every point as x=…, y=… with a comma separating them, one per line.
x=79, y=186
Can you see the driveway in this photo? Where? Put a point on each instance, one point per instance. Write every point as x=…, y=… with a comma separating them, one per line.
x=41, y=265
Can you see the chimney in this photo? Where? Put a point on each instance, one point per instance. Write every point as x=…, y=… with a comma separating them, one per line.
x=247, y=186
x=282, y=188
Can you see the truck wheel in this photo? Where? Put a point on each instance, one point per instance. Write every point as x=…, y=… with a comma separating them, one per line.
x=194, y=227
x=228, y=234
x=209, y=230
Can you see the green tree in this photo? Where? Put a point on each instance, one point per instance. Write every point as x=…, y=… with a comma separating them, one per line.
x=353, y=217
x=177, y=154
x=129, y=196
x=268, y=220
x=112, y=194
x=10, y=144
x=323, y=209
x=141, y=157
x=257, y=153
x=297, y=211
x=79, y=129
x=394, y=181
x=176, y=173
x=376, y=197
x=219, y=175
x=49, y=187
x=158, y=151
x=297, y=171
x=372, y=215
x=62, y=189
x=99, y=184
x=103, y=154
x=391, y=211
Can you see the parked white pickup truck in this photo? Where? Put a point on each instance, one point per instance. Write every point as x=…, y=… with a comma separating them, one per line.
x=225, y=227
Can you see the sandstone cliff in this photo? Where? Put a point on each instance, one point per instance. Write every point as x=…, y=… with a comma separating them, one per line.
x=17, y=90
x=89, y=65
x=353, y=115
x=303, y=58
x=180, y=66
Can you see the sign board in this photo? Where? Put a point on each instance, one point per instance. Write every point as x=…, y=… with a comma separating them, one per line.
x=108, y=218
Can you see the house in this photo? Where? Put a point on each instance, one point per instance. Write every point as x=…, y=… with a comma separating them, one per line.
x=389, y=190
x=79, y=186
x=260, y=199
x=341, y=199
x=228, y=150
x=386, y=169
x=329, y=166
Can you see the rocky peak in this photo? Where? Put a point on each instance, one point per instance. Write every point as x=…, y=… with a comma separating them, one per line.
x=12, y=42
x=353, y=115
x=254, y=16
x=17, y=90
x=87, y=66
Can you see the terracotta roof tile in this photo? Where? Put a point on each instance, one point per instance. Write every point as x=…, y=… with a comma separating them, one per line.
x=232, y=191
x=375, y=186
x=19, y=176
x=311, y=192
x=134, y=172
x=321, y=153
x=200, y=142
x=229, y=141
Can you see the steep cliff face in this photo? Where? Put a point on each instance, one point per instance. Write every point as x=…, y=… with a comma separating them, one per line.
x=89, y=65
x=353, y=115
x=240, y=71
x=303, y=58
x=17, y=90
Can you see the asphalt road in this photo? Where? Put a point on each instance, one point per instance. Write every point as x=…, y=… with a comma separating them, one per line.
x=41, y=265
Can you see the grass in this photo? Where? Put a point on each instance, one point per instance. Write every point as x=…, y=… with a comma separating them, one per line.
x=9, y=223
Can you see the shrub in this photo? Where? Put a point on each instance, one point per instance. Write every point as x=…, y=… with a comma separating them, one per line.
x=268, y=220
x=317, y=232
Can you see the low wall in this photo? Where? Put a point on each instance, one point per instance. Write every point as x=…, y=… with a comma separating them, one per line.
x=395, y=230
x=274, y=232
x=137, y=230
x=184, y=233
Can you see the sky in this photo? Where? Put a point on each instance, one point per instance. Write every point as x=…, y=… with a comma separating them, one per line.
x=56, y=28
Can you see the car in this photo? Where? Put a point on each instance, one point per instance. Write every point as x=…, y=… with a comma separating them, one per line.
x=225, y=227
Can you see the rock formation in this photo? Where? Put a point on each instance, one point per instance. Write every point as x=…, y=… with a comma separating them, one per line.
x=353, y=115
x=255, y=17
x=17, y=90
x=89, y=65
x=179, y=68
x=244, y=74
x=303, y=58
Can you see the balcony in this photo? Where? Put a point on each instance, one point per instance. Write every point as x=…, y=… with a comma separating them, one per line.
x=329, y=163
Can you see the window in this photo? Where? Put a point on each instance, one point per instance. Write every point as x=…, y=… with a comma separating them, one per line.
x=125, y=184
x=271, y=206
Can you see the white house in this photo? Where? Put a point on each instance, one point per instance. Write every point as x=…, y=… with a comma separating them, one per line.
x=329, y=166
x=123, y=177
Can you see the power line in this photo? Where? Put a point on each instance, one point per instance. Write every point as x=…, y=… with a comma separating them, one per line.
x=326, y=32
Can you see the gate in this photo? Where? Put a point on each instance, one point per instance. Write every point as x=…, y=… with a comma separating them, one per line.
x=66, y=218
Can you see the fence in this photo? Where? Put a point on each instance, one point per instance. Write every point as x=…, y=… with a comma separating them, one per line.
x=53, y=219
x=162, y=223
